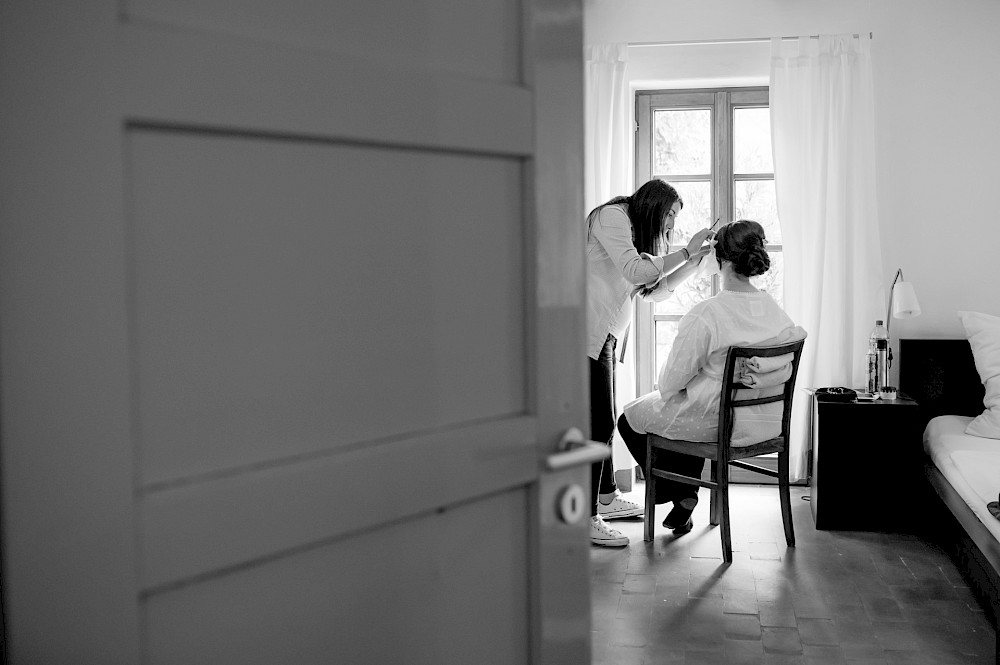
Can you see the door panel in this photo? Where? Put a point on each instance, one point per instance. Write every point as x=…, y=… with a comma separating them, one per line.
x=291, y=316
x=302, y=608
x=214, y=524
x=198, y=80
x=475, y=38
x=293, y=297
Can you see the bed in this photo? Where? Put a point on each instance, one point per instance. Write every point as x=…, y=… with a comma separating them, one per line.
x=962, y=471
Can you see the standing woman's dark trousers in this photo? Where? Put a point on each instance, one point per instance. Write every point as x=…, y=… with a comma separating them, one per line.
x=602, y=418
x=666, y=460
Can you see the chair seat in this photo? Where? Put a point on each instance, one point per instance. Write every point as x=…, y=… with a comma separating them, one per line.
x=710, y=450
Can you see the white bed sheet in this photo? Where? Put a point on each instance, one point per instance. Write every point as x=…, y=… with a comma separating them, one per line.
x=970, y=463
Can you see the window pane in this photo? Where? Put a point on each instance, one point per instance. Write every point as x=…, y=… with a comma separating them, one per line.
x=682, y=142
x=692, y=291
x=773, y=280
x=666, y=331
x=696, y=213
x=755, y=199
x=752, y=141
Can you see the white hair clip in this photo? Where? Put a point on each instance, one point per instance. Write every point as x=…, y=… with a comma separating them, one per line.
x=709, y=265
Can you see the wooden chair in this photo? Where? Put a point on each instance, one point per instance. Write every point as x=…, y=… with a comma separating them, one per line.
x=721, y=452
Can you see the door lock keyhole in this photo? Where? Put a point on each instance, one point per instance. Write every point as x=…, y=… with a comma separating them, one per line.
x=571, y=504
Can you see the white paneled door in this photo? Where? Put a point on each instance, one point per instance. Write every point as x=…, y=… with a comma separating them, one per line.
x=291, y=326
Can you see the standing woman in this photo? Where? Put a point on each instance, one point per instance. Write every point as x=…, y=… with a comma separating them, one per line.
x=624, y=240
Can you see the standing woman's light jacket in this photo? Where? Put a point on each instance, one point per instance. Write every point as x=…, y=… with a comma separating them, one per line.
x=615, y=269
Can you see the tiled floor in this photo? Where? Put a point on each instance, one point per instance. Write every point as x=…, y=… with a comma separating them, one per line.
x=836, y=597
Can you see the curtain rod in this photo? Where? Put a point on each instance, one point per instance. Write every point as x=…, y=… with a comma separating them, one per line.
x=712, y=42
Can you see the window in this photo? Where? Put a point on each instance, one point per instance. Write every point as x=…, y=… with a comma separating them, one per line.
x=714, y=146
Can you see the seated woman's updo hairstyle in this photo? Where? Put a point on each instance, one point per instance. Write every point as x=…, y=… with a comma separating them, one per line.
x=742, y=242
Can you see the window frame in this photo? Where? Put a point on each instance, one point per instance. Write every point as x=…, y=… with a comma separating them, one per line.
x=722, y=102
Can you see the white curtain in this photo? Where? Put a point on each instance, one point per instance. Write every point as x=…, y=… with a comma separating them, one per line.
x=606, y=151
x=607, y=156
x=822, y=129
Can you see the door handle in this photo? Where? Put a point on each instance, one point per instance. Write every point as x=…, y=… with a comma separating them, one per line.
x=575, y=449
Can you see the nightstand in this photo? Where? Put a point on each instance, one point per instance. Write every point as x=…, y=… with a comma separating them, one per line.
x=866, y=464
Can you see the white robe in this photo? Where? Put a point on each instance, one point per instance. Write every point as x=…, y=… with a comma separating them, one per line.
x=686, y=402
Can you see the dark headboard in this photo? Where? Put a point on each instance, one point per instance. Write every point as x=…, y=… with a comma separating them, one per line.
x=941, y=375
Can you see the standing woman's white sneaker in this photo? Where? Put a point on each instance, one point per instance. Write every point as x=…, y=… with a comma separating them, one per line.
x=603, y=535
x=618, y=508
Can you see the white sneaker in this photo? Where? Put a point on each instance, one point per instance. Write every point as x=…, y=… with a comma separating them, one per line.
x=603, y=535
x=619, y=508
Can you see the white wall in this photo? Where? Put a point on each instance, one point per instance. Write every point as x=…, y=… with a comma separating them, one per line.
x=936, y=65
x=937, y=98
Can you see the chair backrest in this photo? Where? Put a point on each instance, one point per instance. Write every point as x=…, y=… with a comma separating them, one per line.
x=734, y=391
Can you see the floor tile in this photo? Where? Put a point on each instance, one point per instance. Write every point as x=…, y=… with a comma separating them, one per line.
x=743, y=627
x=814, y=654
x=817, y=631
x=777, y=614
x=781, y=640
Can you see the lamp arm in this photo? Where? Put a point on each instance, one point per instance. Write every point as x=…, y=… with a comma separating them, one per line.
x=888, y=311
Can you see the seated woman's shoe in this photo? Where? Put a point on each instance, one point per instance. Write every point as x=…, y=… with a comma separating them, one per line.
x=682, y=529
x=679, y=519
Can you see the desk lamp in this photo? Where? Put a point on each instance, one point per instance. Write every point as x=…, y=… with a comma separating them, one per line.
x=902, y=305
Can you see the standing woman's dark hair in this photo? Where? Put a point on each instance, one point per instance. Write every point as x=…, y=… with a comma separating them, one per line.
x=647, y=211
x=743, y=243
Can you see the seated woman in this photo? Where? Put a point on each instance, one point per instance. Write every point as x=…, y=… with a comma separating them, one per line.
x=686, y=403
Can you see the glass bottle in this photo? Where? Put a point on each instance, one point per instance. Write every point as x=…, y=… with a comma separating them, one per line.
x=871, y=369
x=879, y=343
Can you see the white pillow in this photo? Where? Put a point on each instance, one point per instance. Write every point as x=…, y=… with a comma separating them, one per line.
x=983, y=332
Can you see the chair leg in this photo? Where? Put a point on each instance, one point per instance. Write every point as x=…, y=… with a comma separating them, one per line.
x=785, y=496
x=713, y=506
x=727, y=540
x=649, y=513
